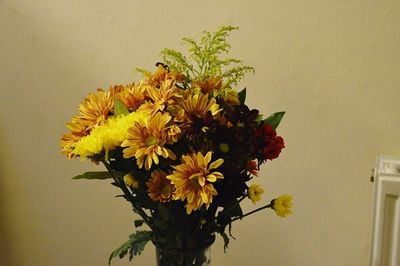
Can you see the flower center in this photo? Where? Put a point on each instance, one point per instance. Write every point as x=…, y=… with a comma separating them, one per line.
x=224, y=147
x=150, y=140
x=195, y=183
x=166, y=190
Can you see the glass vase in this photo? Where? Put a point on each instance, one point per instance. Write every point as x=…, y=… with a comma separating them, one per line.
x=196, y=256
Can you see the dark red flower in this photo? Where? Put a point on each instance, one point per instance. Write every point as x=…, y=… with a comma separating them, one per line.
x=272, y=144
x=252, y=167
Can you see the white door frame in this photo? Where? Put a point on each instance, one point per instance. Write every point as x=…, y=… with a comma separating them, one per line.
x=385, y=248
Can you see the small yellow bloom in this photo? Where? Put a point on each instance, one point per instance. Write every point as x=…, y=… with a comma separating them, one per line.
x=131, y=181
x=254, y=192
x=283, y=205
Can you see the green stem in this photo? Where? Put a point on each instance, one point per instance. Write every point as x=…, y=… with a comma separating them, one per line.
x=236, y=204
x=122, y=186
x=256, y=210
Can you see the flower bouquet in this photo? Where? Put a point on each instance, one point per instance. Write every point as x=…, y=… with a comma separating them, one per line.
x=182, y=146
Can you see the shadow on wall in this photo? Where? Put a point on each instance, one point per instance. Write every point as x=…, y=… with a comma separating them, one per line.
x=5, y=248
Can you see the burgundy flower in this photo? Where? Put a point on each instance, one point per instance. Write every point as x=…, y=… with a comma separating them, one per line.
x=272, y=144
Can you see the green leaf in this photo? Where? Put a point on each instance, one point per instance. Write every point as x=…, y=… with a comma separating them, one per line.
x=94, y=175
x=226, y=240
x=234, y=210
x=274, y=119
x=139, y=241
x=230, y=230
x=242, y=96
x=120, y=108
x=135, y=245
x=120, y=251
x=139, y=223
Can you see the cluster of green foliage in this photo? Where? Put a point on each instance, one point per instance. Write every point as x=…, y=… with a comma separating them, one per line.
x=206, y=58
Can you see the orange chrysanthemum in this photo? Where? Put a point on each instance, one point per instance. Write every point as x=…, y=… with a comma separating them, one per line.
x=146, y=140
x=132, y=96
x=69, y=140
x=114, y=90
x=210, y=85
x=193, y=180
x=94, y=109
x=162, y=74
x=160, y=188
x=199, y=105
x=161, y=97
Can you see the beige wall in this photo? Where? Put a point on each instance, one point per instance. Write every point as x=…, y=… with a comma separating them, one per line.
x=334, y=66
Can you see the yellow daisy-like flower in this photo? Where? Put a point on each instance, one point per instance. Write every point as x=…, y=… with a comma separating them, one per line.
x=132, y=96
x=199, y=105
x=161, y=97
x=193, y=180
x=146, y=140
x=94, y=109
x=254, y=193
x=160, y=188
x=283, y=205
x=131, y=181
x=107, y=136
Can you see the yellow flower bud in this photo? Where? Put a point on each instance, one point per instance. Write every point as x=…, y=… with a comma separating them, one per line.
x=254, y=193
x=283, y=205
x=130, y=181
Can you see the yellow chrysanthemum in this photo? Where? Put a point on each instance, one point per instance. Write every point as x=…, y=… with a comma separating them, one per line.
x=160, y=188
x=283, y=205
x=132, y=96
x=161, y=97
x=69, y=140
x=199, y=105
x=254, y=193
x=107, y=136
x=193, y=180
x=146, y=140
x=131, y=181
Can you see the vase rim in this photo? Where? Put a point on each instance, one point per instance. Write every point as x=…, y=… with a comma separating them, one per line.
x=203, y=245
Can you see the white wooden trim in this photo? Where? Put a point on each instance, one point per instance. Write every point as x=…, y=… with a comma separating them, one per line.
x=385, y=247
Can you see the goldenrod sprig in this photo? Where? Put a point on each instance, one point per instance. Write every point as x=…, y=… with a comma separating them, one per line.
x=207, y=58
